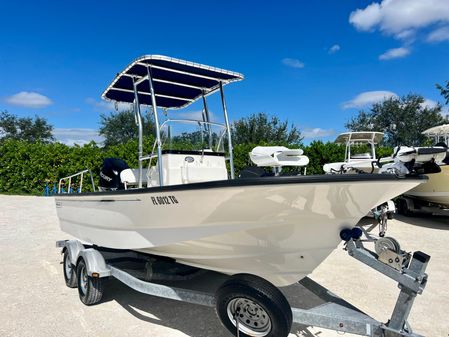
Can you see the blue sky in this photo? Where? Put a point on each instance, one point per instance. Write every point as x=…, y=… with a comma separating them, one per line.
x=315, y=63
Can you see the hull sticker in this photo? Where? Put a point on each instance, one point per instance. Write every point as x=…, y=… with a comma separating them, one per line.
x=164, y=200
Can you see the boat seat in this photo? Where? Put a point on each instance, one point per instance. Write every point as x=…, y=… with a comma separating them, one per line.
x=278, y=156
x=130, y=177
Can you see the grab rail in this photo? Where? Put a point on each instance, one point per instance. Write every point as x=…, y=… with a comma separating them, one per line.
x=81, y=174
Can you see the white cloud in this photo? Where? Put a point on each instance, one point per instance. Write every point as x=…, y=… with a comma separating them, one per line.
x=294, y=63
x=428, y=103
x=395, y=53
x=195, y=115
x=439, y=35
x=400, y=18
x=77, y=136
x=29, y=99
x=367, y=98
x=313, y=133
x=366, y=19
x=107, y=106
x=335, y=48
x=445, y=112
x=407, y=35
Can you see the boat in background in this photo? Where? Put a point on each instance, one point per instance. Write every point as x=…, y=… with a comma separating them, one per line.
x=436, y=190
x=360, y=156
x=360, y=153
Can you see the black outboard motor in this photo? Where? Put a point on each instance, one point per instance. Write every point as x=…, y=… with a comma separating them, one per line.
x=110, y=174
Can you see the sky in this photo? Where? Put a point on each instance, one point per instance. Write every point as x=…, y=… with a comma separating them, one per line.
x=315, y=63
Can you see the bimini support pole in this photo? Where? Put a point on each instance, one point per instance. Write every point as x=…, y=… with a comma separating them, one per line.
x=140, y=126
x=208, y=127
x=228, y=129
x=158, y=131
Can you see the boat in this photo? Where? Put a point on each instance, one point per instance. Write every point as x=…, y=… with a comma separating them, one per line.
x=360, y=153
x=360, y=156
x=436, y=190
x=185, y=206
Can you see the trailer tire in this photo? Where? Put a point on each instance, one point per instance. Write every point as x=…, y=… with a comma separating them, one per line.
x=403, y=207
x=69, y=271
x=90, y=289
x=263, y=309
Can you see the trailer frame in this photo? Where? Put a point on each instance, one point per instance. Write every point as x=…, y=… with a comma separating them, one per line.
x=334, y=314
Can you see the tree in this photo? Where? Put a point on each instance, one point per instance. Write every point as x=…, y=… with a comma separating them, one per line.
x=444, y=91
x=120, y=127
x=260, y=128
x=29, y=129
x=402, y=119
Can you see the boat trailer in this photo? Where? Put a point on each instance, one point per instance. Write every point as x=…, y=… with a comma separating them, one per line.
x=332, y=313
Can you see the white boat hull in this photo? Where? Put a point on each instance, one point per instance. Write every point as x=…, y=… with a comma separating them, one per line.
x=280, y=232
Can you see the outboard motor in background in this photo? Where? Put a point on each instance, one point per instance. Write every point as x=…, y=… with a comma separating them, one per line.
x=110, y=174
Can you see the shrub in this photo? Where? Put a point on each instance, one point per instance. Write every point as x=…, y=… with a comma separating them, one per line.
x=26, y=167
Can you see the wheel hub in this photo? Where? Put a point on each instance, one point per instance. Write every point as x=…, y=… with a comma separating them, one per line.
x=83, y=280
x=252, y=318
x=68, y=267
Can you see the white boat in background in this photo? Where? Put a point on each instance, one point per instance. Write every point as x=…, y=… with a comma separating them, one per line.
x=360, y=153
x=436, y=190
x=360, y=156
x=185, y=207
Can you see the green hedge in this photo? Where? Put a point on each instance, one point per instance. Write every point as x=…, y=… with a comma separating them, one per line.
x=25, y=167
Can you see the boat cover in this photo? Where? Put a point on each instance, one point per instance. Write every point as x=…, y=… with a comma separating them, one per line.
x=177, y=83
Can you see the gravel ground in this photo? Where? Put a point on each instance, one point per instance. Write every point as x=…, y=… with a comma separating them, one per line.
x=35, y=302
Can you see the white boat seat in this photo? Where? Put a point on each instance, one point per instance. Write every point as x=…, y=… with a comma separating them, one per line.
x=278, y=156
x=130, y=177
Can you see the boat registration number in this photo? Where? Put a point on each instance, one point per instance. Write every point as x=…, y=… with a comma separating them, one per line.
x=164, y=200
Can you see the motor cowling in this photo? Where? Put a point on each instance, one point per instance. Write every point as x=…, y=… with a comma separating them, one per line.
x=110, y=174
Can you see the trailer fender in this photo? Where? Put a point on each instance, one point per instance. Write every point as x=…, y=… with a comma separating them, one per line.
x=73, y=247
x=95, y=263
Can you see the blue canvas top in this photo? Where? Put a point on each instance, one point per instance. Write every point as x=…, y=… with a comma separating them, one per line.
x=177, y=83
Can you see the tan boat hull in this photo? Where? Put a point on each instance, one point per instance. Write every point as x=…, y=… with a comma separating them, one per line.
x=436, y=190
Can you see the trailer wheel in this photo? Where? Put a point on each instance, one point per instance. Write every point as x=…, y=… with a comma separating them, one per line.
x=253, y=304
x=69, y=271
x=403, y=207
x=90, y=289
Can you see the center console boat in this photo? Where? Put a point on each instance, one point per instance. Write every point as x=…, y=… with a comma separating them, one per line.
x=184, y=208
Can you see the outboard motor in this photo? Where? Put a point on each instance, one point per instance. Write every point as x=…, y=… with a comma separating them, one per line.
x=110, y=174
